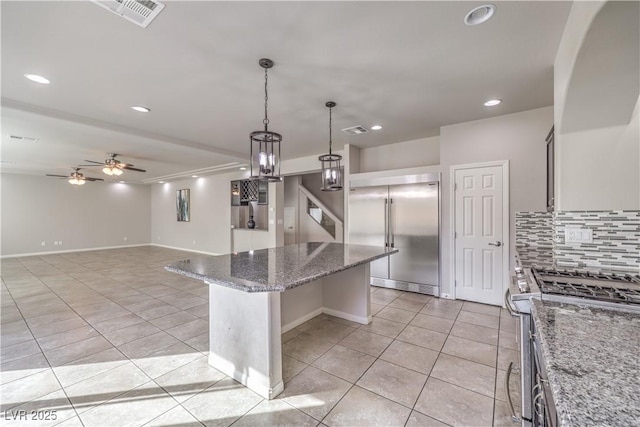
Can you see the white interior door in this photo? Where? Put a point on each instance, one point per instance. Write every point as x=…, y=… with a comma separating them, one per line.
x=289, y=226
x=478, y=234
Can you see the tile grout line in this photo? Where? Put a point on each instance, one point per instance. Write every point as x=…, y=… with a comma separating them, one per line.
x=50, y=367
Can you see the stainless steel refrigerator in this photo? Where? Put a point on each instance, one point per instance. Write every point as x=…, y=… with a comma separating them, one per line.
x=402, y=216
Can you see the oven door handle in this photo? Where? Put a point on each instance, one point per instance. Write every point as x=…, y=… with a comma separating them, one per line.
x=514, y=418
x=507, y=302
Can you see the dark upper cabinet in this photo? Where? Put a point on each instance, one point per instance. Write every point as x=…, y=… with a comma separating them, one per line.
x=550, y=171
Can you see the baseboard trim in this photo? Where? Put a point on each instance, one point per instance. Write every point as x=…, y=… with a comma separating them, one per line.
x=184, y=249
x=254, y=380
x=347, y=316
x=289, y=326
x=71, y=251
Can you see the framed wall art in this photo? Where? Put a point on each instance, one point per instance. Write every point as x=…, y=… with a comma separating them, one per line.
x=182, y=205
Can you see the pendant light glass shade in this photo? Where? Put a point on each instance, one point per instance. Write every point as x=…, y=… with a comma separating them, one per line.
x=265, y=145
x=331, y=172
x=331, y=168
x=265, y=155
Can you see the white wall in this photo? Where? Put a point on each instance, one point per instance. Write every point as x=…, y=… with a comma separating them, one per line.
x=519, y=138
x=95, y=215
x=401, y=155
x=600, y=168
x=598, y=141
x=210, y=225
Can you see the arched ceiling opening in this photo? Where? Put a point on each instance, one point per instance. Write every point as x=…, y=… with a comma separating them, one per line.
x=605, y=83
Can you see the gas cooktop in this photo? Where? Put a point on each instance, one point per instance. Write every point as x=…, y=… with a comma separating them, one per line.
x=614, y=288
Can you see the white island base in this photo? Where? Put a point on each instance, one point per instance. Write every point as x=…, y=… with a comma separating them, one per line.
x=245, y=333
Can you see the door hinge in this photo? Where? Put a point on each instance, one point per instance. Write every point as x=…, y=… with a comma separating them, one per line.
x=455, y=187
x=455, y=283
x=455, y=234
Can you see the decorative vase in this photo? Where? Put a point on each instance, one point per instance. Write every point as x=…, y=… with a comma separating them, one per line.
x=251, y=223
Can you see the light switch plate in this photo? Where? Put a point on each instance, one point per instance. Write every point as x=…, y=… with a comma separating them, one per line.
x=578, y=235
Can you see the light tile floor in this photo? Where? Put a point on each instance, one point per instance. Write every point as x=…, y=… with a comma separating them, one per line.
x=108, y=338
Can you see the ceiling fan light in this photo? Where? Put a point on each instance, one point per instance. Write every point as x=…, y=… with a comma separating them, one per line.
x=116, y=171
x=81, y=181
x=107, y=170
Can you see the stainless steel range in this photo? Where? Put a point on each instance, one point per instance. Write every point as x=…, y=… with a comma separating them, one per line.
x=612, y=290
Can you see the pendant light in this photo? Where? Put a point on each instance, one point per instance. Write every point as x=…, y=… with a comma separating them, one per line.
x=331, y=173
x=265, y=145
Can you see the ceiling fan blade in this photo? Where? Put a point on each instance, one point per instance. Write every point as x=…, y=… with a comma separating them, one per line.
x=91, y=161
x=129, y=168
x=84, y=166
x=93, y=179
x=59, y=176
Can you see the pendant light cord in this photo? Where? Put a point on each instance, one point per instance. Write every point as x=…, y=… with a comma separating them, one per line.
x=266, y=98
x=330, y=123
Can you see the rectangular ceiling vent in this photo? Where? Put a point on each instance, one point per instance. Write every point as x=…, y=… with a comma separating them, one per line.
x=23, y=138
x=355, y=130
x=140, y=12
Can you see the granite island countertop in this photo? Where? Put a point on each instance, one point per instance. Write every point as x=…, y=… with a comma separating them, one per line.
x=277, y=269
x=592, y=359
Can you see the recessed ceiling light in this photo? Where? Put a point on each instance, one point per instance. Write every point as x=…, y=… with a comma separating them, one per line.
x=243, y=168
x=141, y=108
x=376, y=127
x=492, y=102
x=38, y=79
x=160, y=182
x=121, y=182
x=480, y=14
x=194, y=176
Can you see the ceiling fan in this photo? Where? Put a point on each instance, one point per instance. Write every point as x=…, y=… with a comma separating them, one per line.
x=113, y=166
x=76, y=178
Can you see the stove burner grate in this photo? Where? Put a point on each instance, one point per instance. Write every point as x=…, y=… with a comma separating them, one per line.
x=611, y=294
x=616, y=288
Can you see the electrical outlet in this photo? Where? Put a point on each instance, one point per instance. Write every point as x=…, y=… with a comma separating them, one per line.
x=578, y=235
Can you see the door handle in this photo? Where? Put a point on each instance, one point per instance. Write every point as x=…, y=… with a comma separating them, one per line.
x=386, y=223
x=496, y=244
x=391, y=230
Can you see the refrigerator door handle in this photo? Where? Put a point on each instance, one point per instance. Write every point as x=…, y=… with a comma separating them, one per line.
x=386, y=223
x=391, y=232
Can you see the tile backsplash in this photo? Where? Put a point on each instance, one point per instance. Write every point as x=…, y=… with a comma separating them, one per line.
x=534, y=229
x=616, y=239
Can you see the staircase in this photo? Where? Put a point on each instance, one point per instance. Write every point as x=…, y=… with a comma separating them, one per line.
x=317, y=222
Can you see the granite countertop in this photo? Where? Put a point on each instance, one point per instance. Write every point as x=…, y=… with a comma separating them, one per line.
x=277, y=269
x=592, y=360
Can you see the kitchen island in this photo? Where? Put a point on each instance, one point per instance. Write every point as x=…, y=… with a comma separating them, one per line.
x=256, y=296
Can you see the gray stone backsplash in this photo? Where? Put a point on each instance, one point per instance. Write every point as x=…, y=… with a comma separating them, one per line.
x=534, y=229
x=616, y=237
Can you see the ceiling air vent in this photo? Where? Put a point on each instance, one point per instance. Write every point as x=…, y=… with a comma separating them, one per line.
x=23, y=138
x=140, y=12
x=355, y=130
